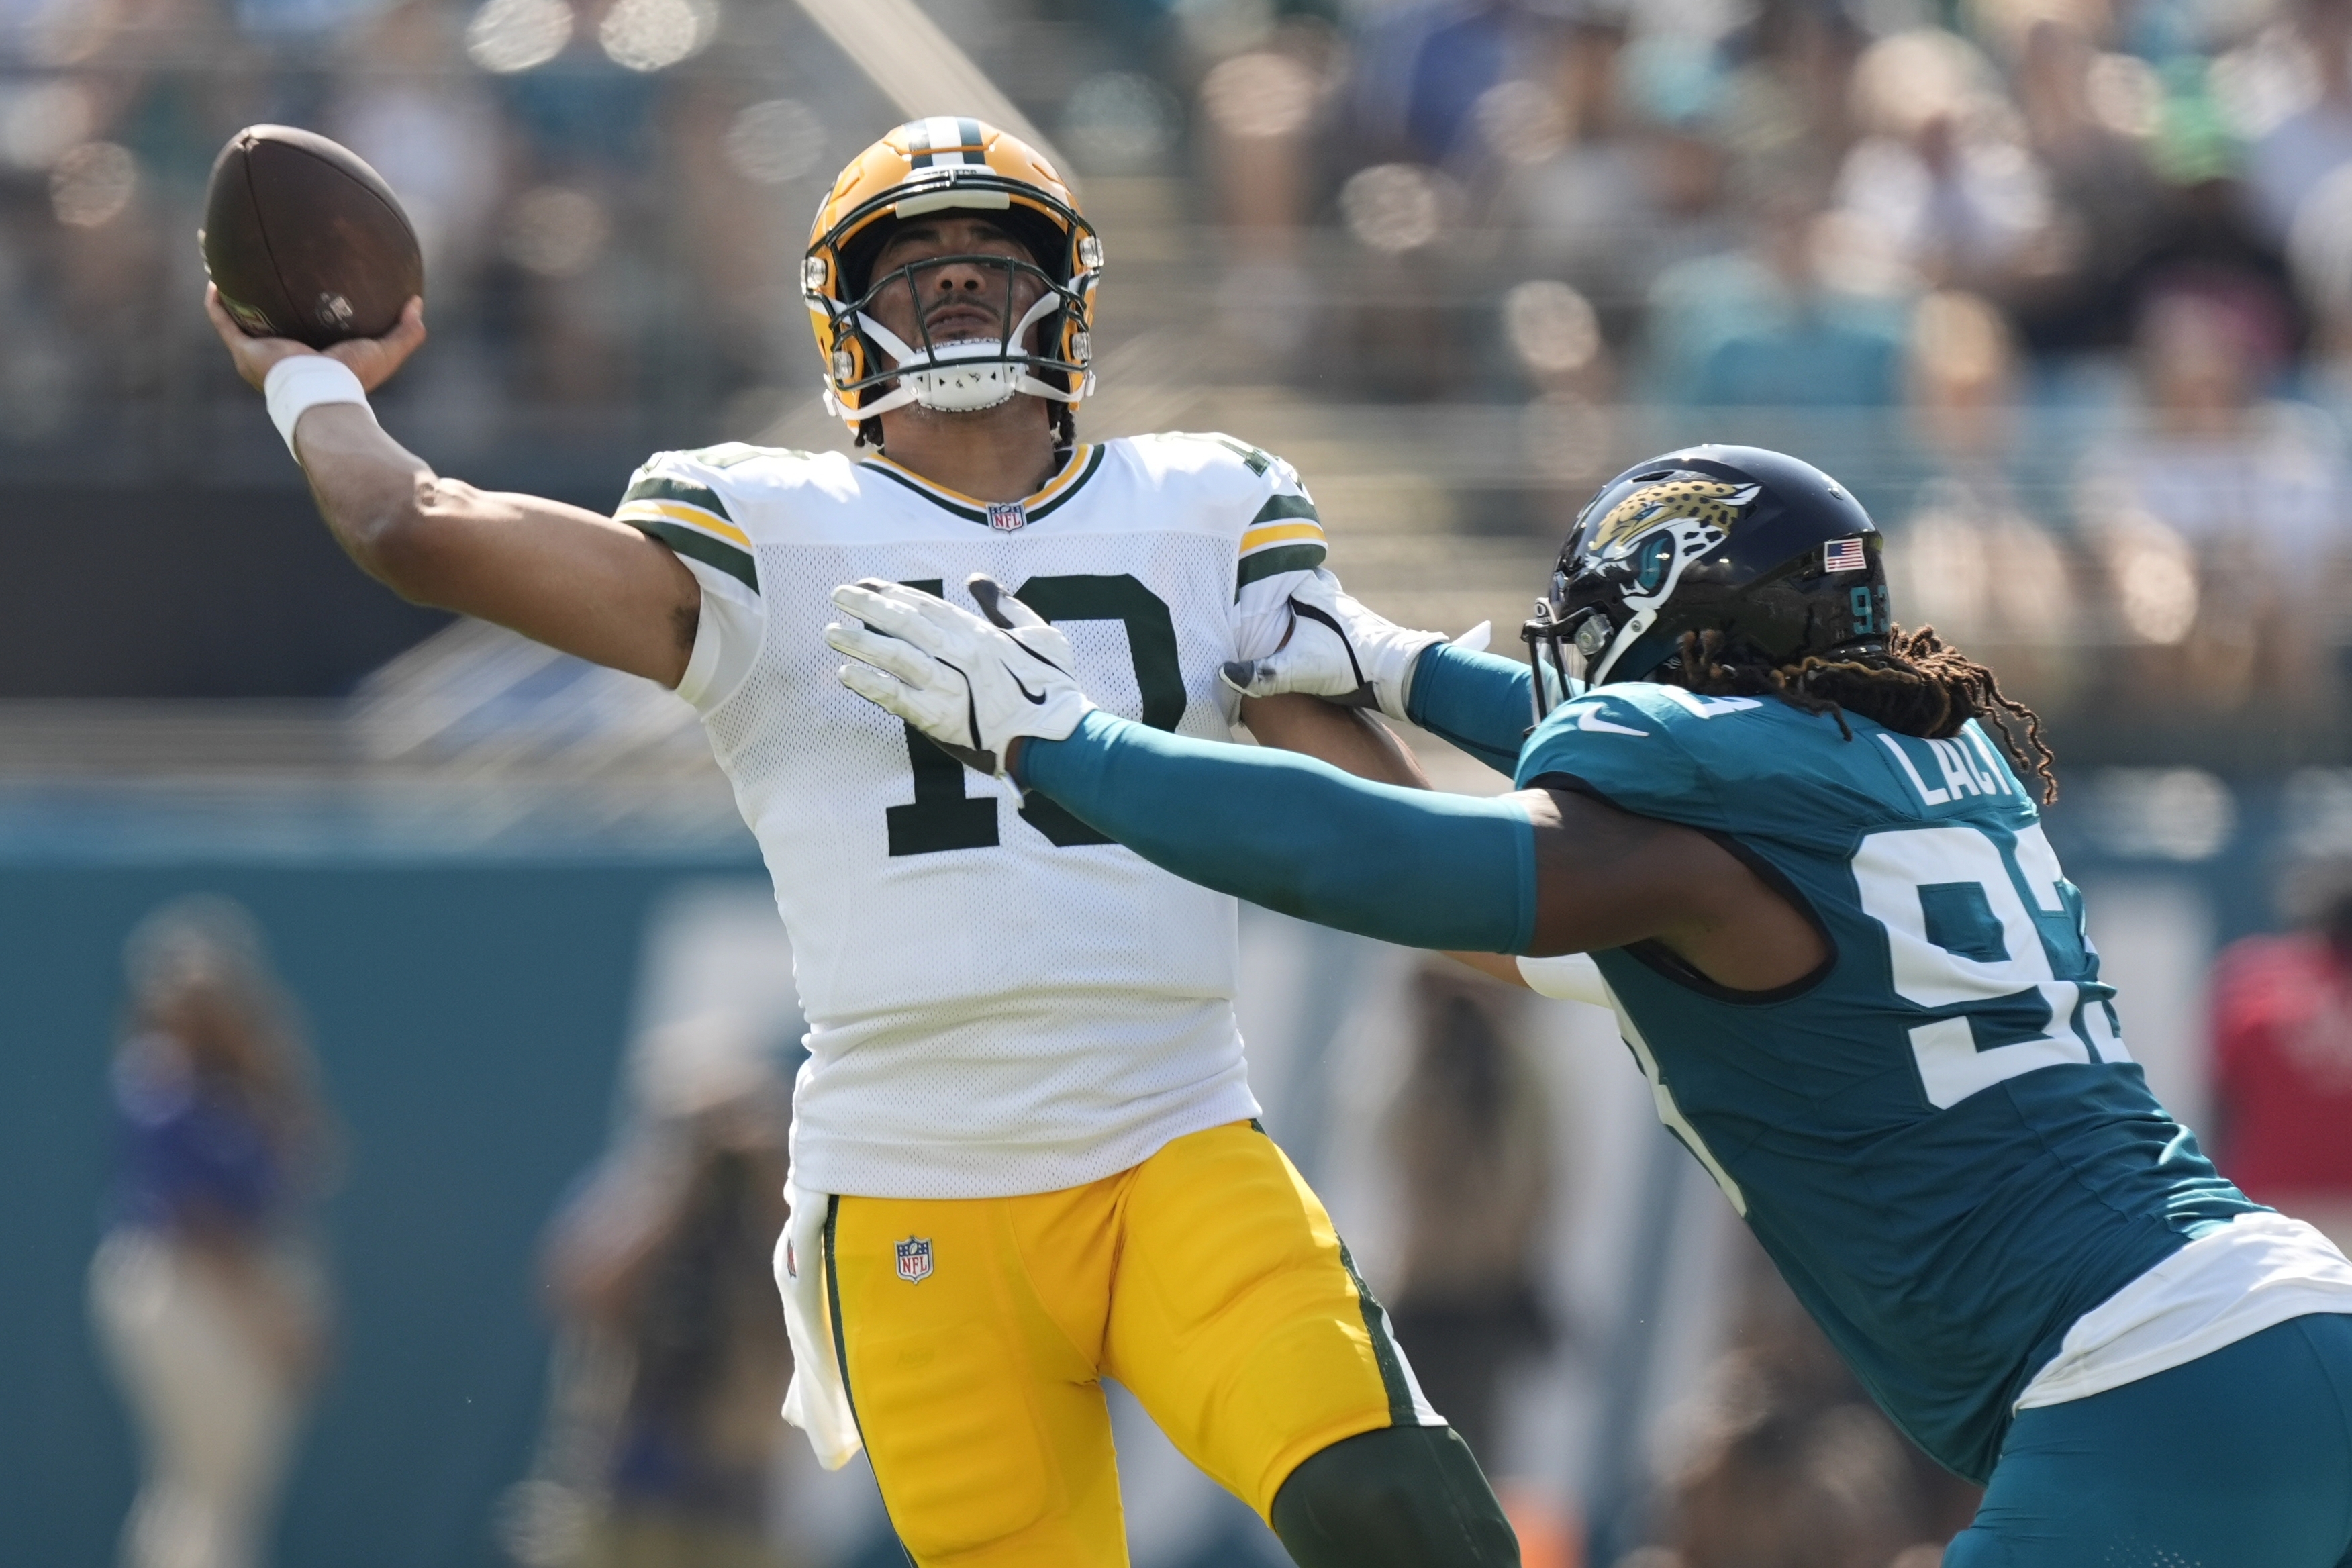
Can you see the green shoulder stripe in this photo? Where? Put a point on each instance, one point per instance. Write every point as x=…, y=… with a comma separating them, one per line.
x=1278, y=507
x=660, y=487
x=1273, y=563
x=692, y=542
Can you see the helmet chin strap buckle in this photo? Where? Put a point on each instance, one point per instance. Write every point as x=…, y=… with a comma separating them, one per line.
x=1641, y=621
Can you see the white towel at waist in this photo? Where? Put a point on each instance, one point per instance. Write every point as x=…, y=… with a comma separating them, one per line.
x=818, y=1400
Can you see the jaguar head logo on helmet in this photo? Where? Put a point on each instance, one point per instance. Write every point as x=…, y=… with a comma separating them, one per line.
x=964, y=167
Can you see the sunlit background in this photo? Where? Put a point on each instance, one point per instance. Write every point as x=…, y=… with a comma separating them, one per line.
x=2062, y=288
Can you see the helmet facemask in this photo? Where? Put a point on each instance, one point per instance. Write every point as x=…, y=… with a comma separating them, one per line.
x=961, y=375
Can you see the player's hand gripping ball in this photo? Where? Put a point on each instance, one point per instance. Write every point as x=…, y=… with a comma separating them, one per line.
x=305, y=241
x=308, y=251
x=971, y=685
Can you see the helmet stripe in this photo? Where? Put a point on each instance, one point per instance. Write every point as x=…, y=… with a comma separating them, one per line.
x=945, y=145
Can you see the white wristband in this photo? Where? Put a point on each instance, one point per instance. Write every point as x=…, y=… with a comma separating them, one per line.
x=299, y=383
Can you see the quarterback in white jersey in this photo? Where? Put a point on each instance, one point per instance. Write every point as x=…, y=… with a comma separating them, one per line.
x=1024, y=1151
x=1067, y=1009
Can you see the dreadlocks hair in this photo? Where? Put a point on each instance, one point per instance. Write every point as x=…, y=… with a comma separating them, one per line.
x=1919, y=686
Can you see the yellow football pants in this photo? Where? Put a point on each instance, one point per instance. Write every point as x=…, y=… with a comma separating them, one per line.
x=1207, y=1280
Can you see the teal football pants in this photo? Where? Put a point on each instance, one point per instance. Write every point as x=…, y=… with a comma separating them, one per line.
x=2242, y=1458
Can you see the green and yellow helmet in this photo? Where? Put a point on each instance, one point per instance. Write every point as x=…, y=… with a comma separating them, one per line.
x=931, y=165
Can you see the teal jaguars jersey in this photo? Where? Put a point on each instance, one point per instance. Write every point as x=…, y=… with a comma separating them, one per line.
x=1939, y=1138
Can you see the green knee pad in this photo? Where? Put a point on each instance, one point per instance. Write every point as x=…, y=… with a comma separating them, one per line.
x=1403, y=1496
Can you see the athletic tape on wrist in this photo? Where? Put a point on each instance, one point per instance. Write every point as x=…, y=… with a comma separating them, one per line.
x=299, y=383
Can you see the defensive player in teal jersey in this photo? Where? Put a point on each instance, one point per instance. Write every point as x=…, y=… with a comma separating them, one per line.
x=1802, y=848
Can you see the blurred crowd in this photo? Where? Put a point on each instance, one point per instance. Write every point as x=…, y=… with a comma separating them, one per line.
x=599, y=228
x=2063, y=287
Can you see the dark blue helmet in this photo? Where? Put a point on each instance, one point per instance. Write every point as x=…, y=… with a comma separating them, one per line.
x=1769, y=551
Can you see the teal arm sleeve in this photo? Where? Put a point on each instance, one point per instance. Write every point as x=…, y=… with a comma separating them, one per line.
x=1406, y=865
x=1481, y=703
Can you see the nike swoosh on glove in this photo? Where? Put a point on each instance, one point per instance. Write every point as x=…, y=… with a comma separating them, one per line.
x=1337, y=650
x=971, y=685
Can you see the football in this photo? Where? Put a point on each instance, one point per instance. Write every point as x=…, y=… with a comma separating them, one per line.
x=304, y=240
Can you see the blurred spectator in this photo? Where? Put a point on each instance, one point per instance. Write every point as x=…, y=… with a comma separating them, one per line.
x=1940, y=175
x=1596, y=195
x=1785, y=100
x=1973, y=562
x=2283, y=165
x=2221, y=516
x=2205, y=240
x=1789, y=1464
x=665, y=1432
x=1259, y=112
x=2319, y=249
x=1427, y=65
x=1779, y=322
x=2086, y=118
x=2283, y=1064
x=1472, y=1148
x=208, y=1292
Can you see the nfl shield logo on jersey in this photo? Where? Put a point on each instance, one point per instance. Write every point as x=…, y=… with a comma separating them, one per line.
x=915, y=1259
x=1007, y=515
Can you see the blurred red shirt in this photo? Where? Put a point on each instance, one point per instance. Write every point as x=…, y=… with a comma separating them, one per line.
x=2282, y=1060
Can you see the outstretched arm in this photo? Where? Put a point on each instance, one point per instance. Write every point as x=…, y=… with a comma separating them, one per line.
x=1406, y=865
x=559, y=575
x=1482, y=704
x=1544, y=871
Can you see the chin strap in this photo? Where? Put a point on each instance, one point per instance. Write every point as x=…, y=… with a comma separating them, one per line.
x=976, y=386
x=1642, y=621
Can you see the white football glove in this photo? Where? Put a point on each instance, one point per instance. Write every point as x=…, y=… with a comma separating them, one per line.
x=1336, y=650
x=969, y=685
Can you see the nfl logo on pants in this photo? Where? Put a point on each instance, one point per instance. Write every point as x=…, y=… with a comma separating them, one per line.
x=915, y=1259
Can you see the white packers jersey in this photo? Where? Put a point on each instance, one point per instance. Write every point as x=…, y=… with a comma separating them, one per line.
x=1000, y=1001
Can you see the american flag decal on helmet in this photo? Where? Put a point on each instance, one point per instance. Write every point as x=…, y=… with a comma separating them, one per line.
x=1843, y=555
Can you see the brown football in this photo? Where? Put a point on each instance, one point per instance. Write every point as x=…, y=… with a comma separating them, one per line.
x=304, y=240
